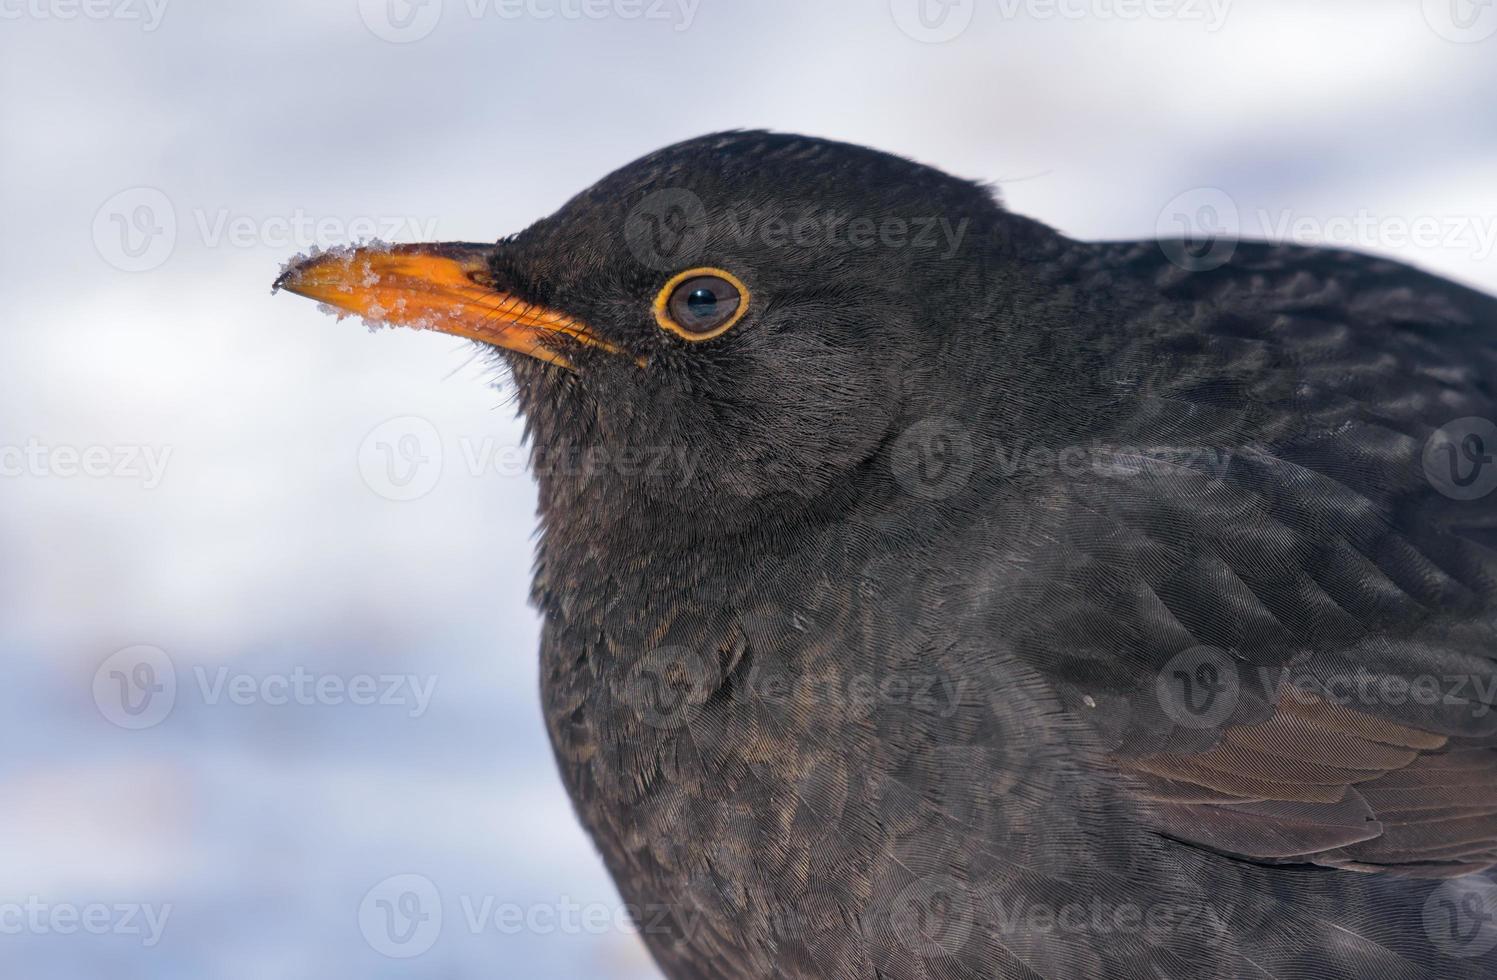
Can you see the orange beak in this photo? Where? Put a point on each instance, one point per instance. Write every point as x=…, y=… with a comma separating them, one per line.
x=435, y=287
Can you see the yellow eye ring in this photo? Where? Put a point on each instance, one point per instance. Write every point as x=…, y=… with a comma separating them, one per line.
x=700, y=304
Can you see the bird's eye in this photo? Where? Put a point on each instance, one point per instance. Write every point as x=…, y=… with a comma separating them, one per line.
x=701, y=304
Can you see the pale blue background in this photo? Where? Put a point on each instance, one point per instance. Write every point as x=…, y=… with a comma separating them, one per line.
x=264, y=550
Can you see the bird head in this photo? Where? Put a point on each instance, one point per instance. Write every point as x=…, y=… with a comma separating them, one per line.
x=724, y=323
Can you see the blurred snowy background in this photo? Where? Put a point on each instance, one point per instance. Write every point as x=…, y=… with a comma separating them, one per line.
x=270, y=675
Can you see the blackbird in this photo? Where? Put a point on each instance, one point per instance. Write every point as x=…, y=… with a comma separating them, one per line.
x=927, y=594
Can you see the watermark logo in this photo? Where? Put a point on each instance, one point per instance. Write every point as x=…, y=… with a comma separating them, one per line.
x=933, y=21
x=668, y=686
x=136, y=688
x=400, y=21
x=1199, y=229
x=136, y=229
x=1462, y=21
x=405, y=458
x=401, y=917
x=934, y=458
x=1460, y=458
x=401, y=459
x=1199, y=687
x=933, y=916
x=667, y=229
x=1460, y=917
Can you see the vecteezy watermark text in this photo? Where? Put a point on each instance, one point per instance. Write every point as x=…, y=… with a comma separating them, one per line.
x=137, y=688
x=123, y=462
x=406, y=21
x=937, y=915
x=939, y=695
x=680, y=13
x=402, y=917
x=147, y=13
x=1202, y=686
x=137, y=229
x=39, y=918
x=937, y=21
x=405, y=458
x=1201, y=228
x=303, y=687
x=672, y=227
x=1469, y=233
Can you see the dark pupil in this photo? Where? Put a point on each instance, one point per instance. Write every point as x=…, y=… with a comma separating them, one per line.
x=702, y=303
